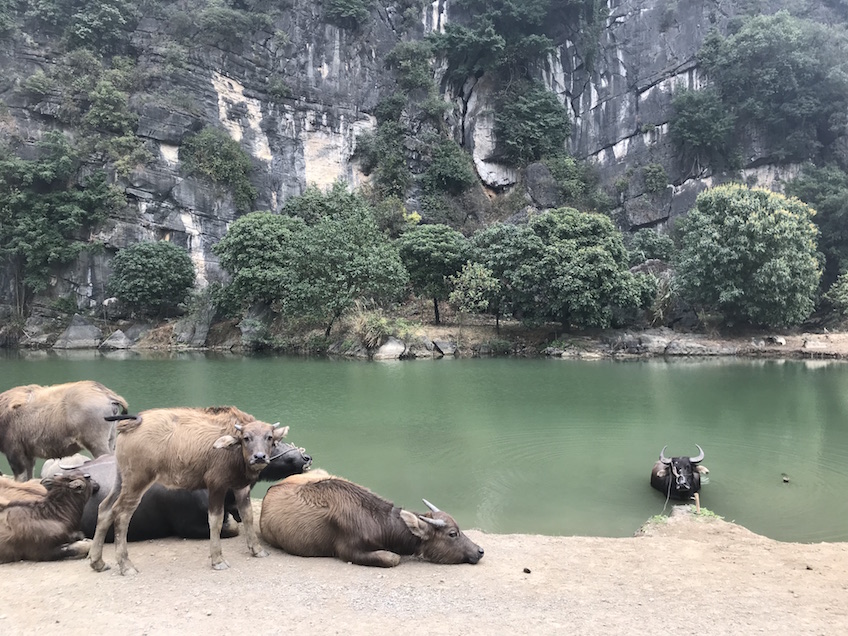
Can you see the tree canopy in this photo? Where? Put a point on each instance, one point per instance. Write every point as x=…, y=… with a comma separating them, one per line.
x=152, y=277
x=751, y=255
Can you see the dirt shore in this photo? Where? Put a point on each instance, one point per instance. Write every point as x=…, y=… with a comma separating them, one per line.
x=697, y=574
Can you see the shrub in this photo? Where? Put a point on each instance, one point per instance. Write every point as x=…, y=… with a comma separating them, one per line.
x=750, y=254
x=348, y=14
x=647, y=244
x=152, y=277
x=450, y=169
x=213, y=154
x=654, y=177
x=530, y=124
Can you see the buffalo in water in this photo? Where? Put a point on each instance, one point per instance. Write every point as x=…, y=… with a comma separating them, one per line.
x=678, y=477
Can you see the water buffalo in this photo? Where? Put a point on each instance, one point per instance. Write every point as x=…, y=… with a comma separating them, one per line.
x=216, y=448
x=11, y=490
x=55, y=421
x=316, y=514
x=678, y=477
x=166, y=512
x=47, y=529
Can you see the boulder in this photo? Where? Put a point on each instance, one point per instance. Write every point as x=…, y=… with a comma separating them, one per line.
x=80, y=334
x=392, y=349
x=117, y=340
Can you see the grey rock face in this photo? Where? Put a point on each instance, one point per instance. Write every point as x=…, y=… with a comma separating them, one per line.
x=80, y=334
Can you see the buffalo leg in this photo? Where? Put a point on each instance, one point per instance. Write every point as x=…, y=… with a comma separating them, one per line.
x=76, y=550
x=216, y=521
x=123, y=511
x=246, y=512
x=21, y=466
x=377, y=558
x=104, y=521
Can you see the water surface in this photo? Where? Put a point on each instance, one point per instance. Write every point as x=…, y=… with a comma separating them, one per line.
x=527, y=445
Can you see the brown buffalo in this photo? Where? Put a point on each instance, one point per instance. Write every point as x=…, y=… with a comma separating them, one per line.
x=316, y=514
x=11, y=490
x=216, y=448
x=55, y=421
x=47, y=529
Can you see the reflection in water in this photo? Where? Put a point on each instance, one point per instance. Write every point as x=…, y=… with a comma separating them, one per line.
x=539, y=446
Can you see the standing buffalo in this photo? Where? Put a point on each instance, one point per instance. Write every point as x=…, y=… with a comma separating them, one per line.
x=47, y=529
x=217, y=449
x=316, y=514
x=678, y=477
x=55, y=421
x=168, y=512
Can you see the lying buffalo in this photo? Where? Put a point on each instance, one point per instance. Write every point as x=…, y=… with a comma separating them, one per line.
x=316, y=514
x=55, y=421
x=678, y=477
x=47, y=529
x=166, y=512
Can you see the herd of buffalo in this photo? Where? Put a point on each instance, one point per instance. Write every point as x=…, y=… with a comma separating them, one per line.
x=185, y=471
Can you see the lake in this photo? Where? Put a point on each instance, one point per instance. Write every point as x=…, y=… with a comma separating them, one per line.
x=546, y=446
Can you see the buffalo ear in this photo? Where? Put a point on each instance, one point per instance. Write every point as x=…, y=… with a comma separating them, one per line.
x=280, y=433
x=420, y=530
x=224, y=441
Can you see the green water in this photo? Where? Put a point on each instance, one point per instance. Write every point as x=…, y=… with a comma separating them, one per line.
x=534, y=446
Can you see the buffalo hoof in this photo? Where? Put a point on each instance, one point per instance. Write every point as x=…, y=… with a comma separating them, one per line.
x=128, y=570
x=260, y=553
x=99, y=566
x=222, y=565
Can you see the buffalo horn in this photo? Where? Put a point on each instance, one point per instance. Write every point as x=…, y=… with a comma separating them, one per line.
x=275, y=424
x=700, y=457
x=430, y=506
x=665, y=460
x=433, y=522
x=238, y=427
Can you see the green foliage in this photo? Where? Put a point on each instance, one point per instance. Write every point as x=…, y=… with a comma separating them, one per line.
x=583, y=273
x=7, y=18
x=317, y=270
x=450, y=169
x=654, y=177
x=530, y=124
x=278, y=89
x=109, y=111
x=837, y=295
x=103, y=25
x=702, y=127
x=383, y=154
x=578, y=183
x=392, y=217
x=45, y=215
x=825, y=189
x=39, y=84
x=152, y=278
x=785, y=75
x=213, y=154
x=348, y=14
x=750, y=254
x=647, y=244
x=219, y=23
x=410, y=62
x=431, y=255
x=474, y=289
x=390, y=108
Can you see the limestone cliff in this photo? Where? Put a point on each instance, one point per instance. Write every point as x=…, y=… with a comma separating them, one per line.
x=296, y=92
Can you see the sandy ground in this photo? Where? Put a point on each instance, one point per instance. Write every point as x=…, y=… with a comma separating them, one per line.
x=688, y=573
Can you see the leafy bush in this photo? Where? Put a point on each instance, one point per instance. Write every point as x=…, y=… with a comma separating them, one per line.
x=46, y=216
x=786, y=76
x=152, y=277
x=474, y=289
x=530, y=124
x=348, y=14
x=109, y=110
x=213, y=154
x=750, y=254
x=578, y=183
x=410, y=62
x=647, y=244
x=39, y=84
x=702, y=128
x=450, y=169
x=383, y=154
x=654, y=177
x=825, y=189
x=837, y=295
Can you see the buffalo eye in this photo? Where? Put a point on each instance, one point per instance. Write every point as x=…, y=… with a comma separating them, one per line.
x=248, y=438
x=453, y=534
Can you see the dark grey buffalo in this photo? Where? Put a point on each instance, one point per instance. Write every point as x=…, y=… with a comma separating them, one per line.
x=166, y=512
x=678, y=477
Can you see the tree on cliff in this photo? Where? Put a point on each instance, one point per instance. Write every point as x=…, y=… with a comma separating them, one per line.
x=152, y=277
x=45, y=212
x=432, y=254
x=751, y=255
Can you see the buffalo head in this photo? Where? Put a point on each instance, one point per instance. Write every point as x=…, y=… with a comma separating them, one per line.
x=678, y=477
